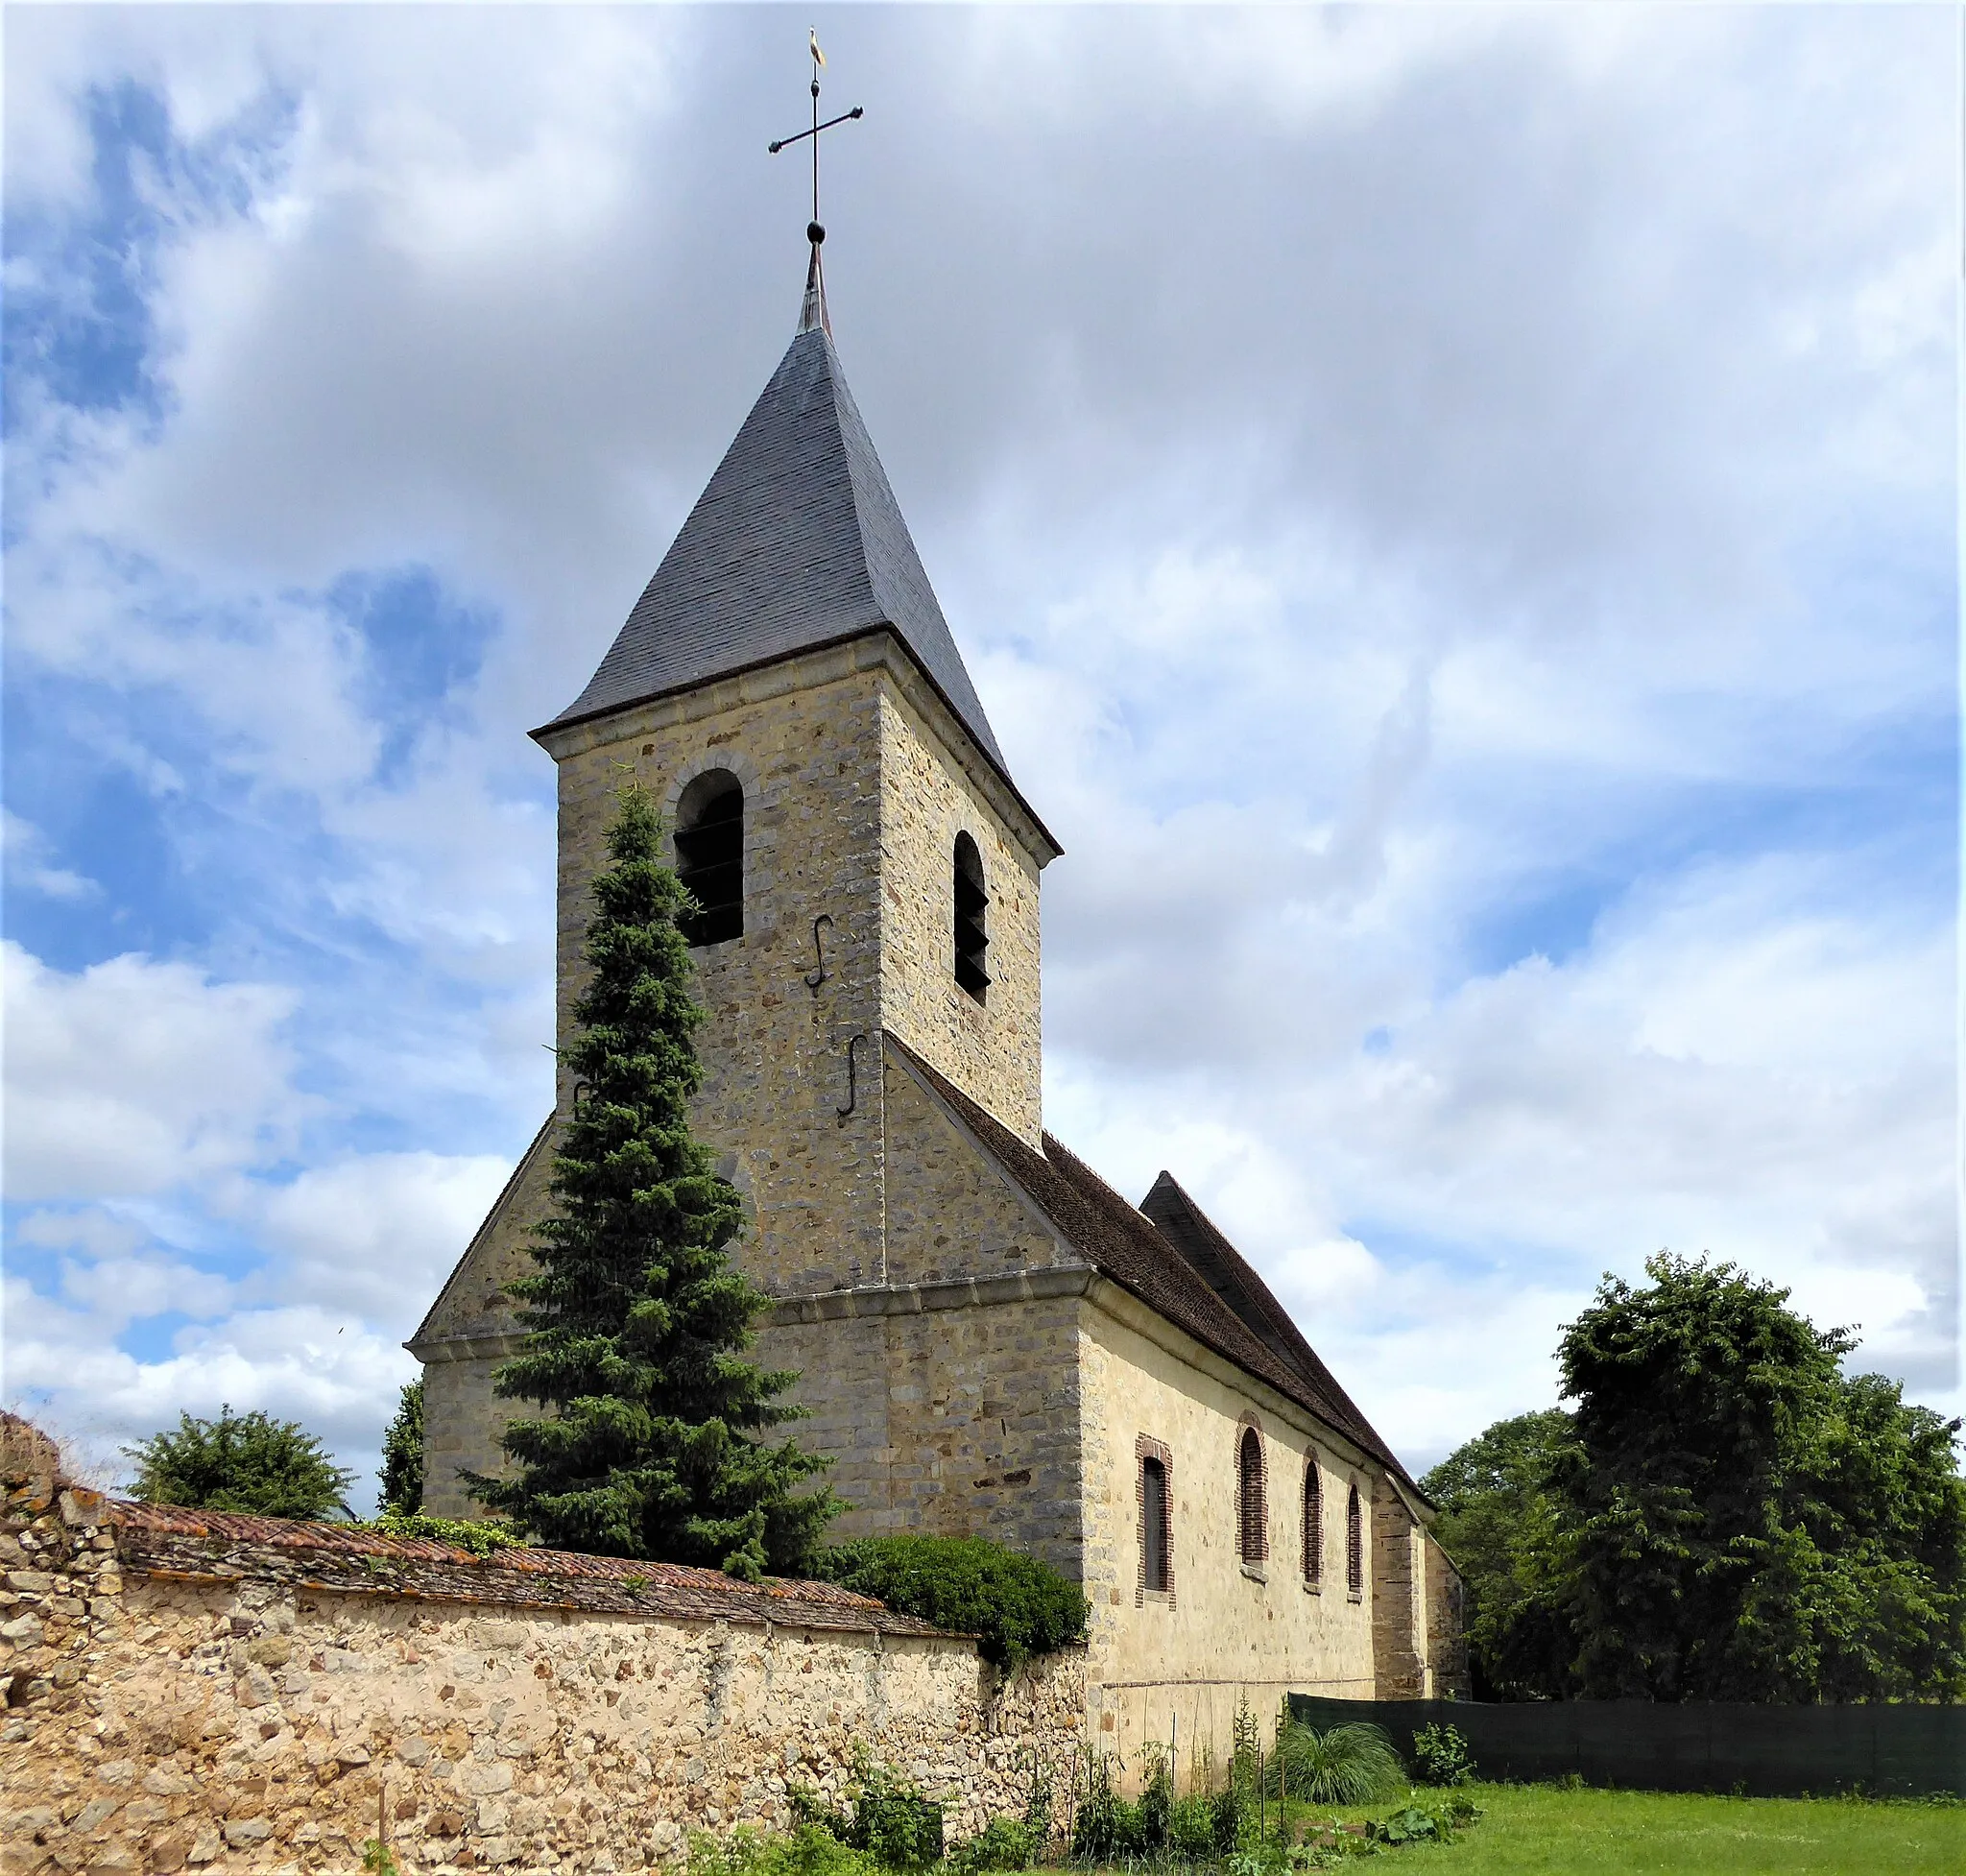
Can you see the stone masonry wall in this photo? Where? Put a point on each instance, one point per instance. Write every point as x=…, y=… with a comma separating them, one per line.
x=950, y=1212
x=992, y=1051
x=850, y=808
x=223, y=1708
x=463, y=1420
x=957, y=1415
x=1446, y=1638
x=1398, y=1624
x=803, y=741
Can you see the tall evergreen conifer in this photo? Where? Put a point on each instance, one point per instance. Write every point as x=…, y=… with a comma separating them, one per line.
x=637, y=1321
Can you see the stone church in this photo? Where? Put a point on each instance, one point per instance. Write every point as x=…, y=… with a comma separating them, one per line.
x=990, y=1340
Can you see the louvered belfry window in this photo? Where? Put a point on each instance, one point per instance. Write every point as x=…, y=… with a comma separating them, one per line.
x=1154, y=1525
x=972, y=911
x=1253, y=1514
x=710, y=857
x=1313, y=1524
x=1355, y=1543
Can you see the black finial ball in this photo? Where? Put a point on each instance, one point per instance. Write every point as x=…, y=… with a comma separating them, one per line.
x=814, y=233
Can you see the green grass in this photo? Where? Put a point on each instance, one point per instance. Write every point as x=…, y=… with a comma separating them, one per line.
x=1560, y=1832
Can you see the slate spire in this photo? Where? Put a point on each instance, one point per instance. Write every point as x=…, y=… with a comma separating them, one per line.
x=812, y=316
x=795, y=542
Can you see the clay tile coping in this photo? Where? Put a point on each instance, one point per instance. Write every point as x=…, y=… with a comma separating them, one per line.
x=167, y=1538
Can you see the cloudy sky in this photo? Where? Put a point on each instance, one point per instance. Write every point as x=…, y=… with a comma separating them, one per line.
x=1451, y=515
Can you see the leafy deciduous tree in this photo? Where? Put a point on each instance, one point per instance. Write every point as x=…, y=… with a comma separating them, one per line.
x=1728, y=1516
x=1499, y=1522
x=239, y=1462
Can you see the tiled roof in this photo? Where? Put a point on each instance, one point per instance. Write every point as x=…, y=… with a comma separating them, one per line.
x=170, y=1538
x=1231, y=1276
x=1124, y=1244
x=797, y=543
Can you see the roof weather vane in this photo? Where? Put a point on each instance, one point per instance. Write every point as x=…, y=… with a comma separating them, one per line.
x=814, y=313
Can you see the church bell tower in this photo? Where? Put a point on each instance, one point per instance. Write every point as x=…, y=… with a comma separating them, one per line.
x=787, y=688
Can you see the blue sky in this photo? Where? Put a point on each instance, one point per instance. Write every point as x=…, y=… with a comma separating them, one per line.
x=1457, y=531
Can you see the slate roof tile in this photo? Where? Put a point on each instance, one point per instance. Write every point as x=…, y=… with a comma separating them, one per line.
x=1231, y=1277
x=1123, y=1243
x=795, y=542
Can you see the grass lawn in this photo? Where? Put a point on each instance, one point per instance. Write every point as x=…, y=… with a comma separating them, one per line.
x=1558, y=1831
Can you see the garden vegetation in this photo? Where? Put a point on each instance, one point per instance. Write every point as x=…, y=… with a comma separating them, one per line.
x=1014, y=1605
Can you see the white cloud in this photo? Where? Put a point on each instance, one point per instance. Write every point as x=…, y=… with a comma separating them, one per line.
x=339, y=1381
x=1461, y=455
x=376, y=1235
x=27, y=854
x=132, y=1075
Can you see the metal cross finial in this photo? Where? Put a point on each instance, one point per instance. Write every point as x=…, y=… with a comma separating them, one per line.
x=815, y=277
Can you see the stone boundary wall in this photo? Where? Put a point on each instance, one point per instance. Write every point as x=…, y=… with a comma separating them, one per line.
x=189, y=1691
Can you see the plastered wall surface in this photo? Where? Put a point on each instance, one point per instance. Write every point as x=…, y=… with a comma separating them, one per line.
x=223, y=1711
x=1181, y=1661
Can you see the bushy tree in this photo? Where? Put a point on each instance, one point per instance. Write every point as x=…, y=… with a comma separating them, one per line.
x=637, y=1321
x=240, y=1462
x=1730, y=1517
x=1500, y=1521
x=1014, y=1605
x=401, y=1477
x=1744, y=1521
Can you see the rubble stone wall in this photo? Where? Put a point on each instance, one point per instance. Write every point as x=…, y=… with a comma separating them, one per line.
x=224, y=1708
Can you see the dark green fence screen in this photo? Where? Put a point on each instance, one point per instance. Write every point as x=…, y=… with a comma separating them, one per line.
x=1642, y=1746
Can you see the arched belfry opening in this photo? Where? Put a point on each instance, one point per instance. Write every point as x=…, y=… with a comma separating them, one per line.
x=710, y=857
x=972, y=915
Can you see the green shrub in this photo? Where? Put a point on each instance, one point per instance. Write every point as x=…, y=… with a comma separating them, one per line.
x=888, y=1818
x=1435, y=1821
x=1106, y=1825
x=480, y=1537
x=1004, y=1844
x=240, y=1462
x=1193, y=1828
x=807, y=1850
x=1014, y=1605
x=1440, y=1756
x=1343, y=1764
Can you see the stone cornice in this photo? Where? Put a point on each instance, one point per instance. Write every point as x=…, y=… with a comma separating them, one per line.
x=867, y=649
x=919, y=1299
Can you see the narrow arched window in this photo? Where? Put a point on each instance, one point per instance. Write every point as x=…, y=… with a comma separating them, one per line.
x=1355, y=1543
x=710, y=857
x=973, y=910
x=1155, y=1525
x=1253, y=1517
x=1314, y=1523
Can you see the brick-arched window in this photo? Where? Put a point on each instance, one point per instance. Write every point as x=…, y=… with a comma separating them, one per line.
x=1156, y=1490
x=1355, y=1543
x=1252, y=1508
x=710, y=857
x=972, y=913
x=1313, y=1522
